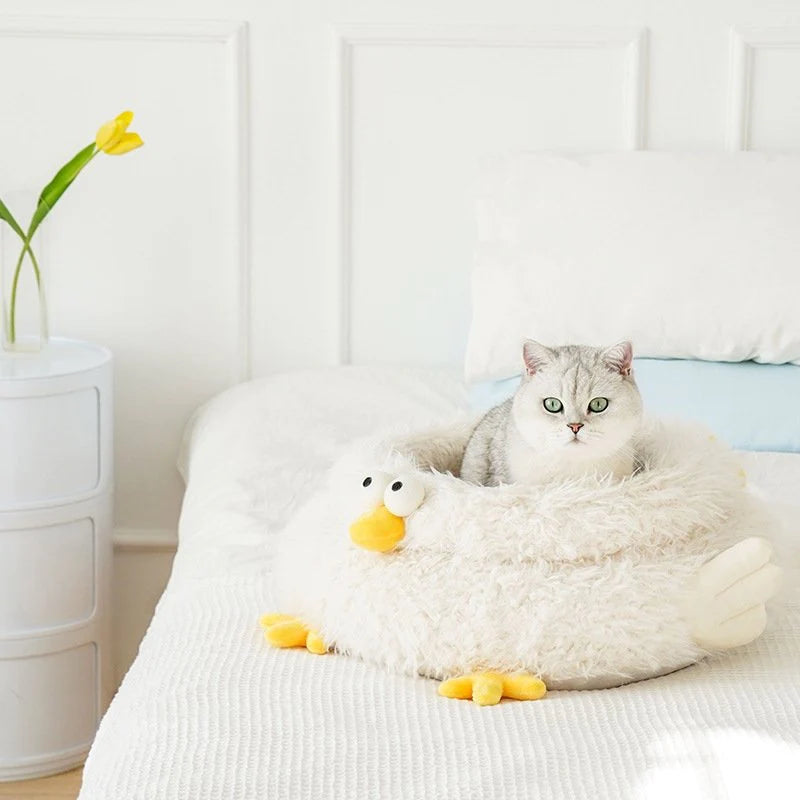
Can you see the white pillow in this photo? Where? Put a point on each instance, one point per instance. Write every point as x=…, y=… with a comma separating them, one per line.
x=687, y=255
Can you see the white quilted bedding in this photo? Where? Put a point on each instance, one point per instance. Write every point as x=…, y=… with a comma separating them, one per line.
x=209, y=711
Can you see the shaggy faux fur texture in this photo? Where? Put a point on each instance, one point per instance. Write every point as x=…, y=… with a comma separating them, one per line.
x=582, y=582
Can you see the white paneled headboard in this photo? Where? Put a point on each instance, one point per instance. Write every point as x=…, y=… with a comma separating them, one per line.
x=304, y=195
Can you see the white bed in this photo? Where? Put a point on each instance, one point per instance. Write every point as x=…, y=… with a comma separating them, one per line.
x=208, y=710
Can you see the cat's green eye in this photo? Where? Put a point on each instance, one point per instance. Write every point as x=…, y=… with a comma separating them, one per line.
x=598, y=404
x=553, y=405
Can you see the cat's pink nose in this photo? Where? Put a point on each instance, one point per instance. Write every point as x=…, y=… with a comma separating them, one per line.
x=575, y=426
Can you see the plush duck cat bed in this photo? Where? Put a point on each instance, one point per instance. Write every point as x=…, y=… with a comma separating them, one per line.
x=499, y=591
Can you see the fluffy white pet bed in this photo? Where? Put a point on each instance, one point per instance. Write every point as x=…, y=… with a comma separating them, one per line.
x=586, y=583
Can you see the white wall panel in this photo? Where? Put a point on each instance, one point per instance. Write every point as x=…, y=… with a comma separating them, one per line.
x=764, y=101
x=146, y=252
x=419, y=111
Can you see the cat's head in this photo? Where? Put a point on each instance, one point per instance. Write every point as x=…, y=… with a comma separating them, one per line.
x=577, y=402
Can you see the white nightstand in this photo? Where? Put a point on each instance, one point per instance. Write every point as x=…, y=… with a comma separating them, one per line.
x=56, y=471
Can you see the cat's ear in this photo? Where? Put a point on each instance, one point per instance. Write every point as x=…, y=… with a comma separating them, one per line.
x=619, y=358
x=535, y=356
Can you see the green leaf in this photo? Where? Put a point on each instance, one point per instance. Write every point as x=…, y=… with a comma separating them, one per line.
x=60, y=183
x=6, y=215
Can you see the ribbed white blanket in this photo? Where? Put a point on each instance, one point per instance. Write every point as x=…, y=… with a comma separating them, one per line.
x=209, y=711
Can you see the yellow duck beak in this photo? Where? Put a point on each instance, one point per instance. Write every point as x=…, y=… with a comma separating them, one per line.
x=378, y=530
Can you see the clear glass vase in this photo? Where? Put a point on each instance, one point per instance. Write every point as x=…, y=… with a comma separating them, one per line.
x=24, y=308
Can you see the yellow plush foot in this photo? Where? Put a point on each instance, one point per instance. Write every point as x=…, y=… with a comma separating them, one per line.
x=488, y=688
x=282, y=630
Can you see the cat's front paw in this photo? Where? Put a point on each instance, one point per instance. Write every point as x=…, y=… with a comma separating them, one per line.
x=726, y=604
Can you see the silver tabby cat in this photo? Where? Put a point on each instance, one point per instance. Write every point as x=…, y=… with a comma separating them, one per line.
x=576, y=411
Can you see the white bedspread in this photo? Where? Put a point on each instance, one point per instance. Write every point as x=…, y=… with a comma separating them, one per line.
x=209, y=711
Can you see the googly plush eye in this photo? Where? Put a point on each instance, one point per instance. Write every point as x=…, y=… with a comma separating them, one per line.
x=403, y=495
x=598, y=404
x=370, y=492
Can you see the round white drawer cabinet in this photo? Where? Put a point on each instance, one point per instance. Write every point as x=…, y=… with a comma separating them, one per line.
x=56, y=464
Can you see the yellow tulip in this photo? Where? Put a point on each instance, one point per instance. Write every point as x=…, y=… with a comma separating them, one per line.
x=112, y=138
x=107, y=133
x=126, y=143
x=125, y=119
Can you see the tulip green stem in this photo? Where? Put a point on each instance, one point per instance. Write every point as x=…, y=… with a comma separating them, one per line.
x=26, y=248
x=47, y=200
x=12, y=323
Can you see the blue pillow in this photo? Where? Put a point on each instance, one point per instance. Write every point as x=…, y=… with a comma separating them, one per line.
x=751, y=406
